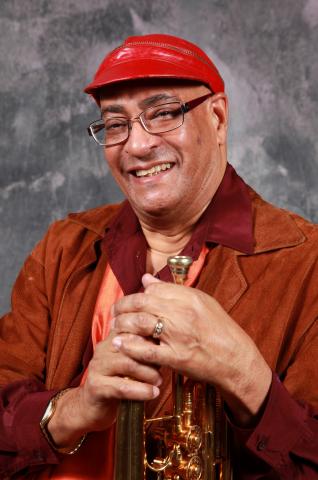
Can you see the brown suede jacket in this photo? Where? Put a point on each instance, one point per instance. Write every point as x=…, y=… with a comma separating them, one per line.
x=272, y=294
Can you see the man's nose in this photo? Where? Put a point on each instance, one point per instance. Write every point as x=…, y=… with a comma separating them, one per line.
x=140, y=142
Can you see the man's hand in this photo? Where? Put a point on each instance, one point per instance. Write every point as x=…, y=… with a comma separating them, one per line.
x=199, y=340
x=111, y=376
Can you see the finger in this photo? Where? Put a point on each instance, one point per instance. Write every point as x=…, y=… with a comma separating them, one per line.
x=119, y=364
x=140, y=302
x=148, y=279
x=140, y=323
x=145, y=351
x=123, y=388
x=165, y=289
x=156, y=309
x=105, y=347
x=157, y=294
x=143, y=323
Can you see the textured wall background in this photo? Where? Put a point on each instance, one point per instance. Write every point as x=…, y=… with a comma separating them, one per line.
x=49, y=49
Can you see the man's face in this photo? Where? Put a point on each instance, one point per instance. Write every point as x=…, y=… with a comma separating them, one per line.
x=192, y=156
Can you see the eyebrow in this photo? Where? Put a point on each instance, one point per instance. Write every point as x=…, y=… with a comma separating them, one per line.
x=147, y=102
x=112, y=109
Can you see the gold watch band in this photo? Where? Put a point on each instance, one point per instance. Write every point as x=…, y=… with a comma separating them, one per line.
x=48, y=414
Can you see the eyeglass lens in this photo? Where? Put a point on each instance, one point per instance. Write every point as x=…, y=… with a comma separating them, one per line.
x=157, y=119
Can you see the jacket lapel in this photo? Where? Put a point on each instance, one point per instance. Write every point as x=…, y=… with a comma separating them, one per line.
x=274, y=228
x=222, y=277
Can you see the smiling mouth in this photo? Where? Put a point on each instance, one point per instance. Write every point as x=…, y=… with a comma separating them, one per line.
x=153, y=170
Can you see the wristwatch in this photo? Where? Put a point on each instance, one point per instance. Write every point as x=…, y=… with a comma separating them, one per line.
x=48, y=414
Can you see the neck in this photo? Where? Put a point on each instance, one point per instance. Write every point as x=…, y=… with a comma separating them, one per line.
x=167, y=241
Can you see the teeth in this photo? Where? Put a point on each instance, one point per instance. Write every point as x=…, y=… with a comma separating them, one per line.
x=153, y=171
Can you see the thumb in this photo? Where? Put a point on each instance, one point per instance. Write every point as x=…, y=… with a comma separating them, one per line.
x=148, y=279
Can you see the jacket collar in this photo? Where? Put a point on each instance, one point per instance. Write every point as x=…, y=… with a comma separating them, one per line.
x=96, y=220
x=273, y=227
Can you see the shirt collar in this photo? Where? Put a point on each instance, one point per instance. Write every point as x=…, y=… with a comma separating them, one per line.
x=229, y=214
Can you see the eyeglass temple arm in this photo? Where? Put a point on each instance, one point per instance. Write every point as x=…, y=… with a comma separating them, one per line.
x=96, y=128
x=194, y=103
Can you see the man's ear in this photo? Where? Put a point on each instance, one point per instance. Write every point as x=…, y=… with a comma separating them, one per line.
x=219, y=110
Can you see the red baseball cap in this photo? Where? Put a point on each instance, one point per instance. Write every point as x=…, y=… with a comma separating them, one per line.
x=155, y=56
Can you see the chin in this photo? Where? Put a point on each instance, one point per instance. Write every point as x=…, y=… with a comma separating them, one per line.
x=158, y=209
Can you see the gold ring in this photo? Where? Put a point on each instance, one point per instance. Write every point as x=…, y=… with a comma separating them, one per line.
x=157, y=331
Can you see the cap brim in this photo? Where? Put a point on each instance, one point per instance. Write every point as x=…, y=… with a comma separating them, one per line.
x=144, y=68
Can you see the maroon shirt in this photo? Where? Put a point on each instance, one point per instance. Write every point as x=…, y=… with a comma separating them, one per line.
x=283, y=444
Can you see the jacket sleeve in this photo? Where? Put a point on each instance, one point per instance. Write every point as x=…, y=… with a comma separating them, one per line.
x=286, y=437
x=23, y=399
x=22, y=444
x=24, y=331
x=284, y=444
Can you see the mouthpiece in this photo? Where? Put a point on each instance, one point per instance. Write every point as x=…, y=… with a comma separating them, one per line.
x=179, y=266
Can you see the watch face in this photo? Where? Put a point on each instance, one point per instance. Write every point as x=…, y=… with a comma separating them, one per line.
x=48, y=413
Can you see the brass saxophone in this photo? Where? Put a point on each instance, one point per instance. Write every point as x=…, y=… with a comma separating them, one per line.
x=190, y=444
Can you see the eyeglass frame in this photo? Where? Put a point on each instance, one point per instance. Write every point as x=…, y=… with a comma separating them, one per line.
x=185, y=107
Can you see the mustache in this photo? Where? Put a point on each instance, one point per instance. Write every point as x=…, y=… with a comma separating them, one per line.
x=153, y=156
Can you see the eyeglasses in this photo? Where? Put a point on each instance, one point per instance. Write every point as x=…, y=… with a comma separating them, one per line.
x=156, y=119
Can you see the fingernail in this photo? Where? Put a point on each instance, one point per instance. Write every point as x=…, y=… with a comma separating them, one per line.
x=155, y=392
x=116, y=342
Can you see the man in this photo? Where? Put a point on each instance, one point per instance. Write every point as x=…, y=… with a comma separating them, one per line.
x=96, y=289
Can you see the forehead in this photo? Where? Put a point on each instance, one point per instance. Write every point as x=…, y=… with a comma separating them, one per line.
x=150, y=91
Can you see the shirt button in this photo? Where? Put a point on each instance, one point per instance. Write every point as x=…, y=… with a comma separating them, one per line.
x=261, y=445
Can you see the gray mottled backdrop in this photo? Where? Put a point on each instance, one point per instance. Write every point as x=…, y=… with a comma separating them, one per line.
x=265, y=49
